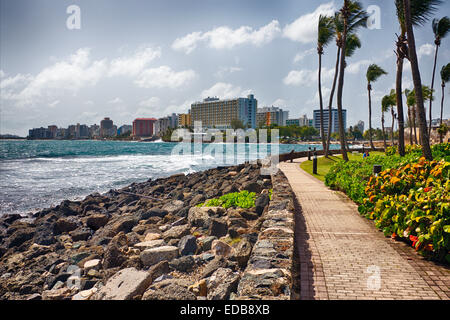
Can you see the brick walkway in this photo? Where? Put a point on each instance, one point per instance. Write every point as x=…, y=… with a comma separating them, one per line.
x=341, y=253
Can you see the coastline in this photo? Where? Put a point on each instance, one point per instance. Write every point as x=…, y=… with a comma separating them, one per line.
x=108, y=228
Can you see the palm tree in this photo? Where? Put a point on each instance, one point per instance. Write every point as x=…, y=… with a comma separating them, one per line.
x=410, y=116
x=445, y=77
x=411, y=101
x=353, y=17
x=372, y=75
x=338, y=28
x=441, y=27
x=325, y=35
x=387, y=103
x=420, y=12
x=424, y=138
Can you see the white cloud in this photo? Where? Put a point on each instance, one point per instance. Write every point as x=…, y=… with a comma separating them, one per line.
x=325, y=98
x=306, y=77
x=279, y=103
x=224, y=91
x=116, y=100
x=302, y=55
x=163, y=77
x=89, y=102
x=355, y=68
x=2, y=74
x=150, y=102
x=226, y=38
x=64, y=76
x=223, y=71
x=304, y=29
x=425, y=50
x=54, y=103
x=132, y=66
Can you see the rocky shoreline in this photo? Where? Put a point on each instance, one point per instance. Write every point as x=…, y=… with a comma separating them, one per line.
x=150, y=241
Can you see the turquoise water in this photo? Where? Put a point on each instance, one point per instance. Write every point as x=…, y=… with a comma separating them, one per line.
x=38, y=174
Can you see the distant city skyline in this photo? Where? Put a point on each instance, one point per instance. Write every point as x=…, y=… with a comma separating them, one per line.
x=153, y=58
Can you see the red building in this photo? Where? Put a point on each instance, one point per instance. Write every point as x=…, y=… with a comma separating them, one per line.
x=143, y=127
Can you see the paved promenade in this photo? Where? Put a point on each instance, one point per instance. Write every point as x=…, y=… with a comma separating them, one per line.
x=343, y=256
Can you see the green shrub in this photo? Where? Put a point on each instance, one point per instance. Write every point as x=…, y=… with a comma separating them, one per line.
x=243, y=199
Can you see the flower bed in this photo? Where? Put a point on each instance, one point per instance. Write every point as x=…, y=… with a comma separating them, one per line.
x=409, y=199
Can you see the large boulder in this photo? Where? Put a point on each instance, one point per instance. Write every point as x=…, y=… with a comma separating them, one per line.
x=66, y=224
x=19, y=237
x=124, y=224
x=170, y=289
x=200, y=216
x=150, y=244
x=187, y=245
x=173, y=206
x=126, y=284
x=176, y=232
x=261, y=202
x=152, y=256
x=97, y=220
x=113, y=257
x=242, y=252
x=183, y=264
x=222, y=283
x=217, y=228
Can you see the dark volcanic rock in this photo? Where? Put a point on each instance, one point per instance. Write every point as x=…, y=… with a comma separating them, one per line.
x=187, y=245
x=97, y=220
x=113, y=257
x=154, y=212
x=81, y=234
x=218, y=228
x=66, y=224
x=19, y=237
x=183, y=264
x=261, y=202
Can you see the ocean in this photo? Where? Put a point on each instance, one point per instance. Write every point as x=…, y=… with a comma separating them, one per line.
x=38, y=174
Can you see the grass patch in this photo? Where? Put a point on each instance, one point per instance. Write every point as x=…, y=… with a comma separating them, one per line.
x=324, y=164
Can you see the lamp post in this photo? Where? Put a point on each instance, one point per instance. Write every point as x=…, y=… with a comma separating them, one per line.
x=309, y=153
x=315, y=163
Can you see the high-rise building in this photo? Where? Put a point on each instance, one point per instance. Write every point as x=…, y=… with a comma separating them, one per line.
x=107, y=128
x=293, y=122
x=124, y=129
x=334, y=120
x=40, y=133
x=184, y=120
x=267, y=116
x=144, y=127
x=216, y=113
x=360, y=126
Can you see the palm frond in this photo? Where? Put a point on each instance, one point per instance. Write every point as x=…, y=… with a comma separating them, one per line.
x=353, y=43
x=325, y=31
x=441, y=27
x=374, y=72
x=445, y=73
x=421, y=11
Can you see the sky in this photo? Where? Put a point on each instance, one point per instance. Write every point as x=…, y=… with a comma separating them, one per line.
x=139, y=58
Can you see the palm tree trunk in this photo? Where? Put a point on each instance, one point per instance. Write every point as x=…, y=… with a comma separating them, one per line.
x=340, y=89
x=414, y=123
x=330, y=103
x=322, y=131
x=441, y=138
x=432, y=86
x=392, y=128
x=369, y=88
x=424, y=138
x=410, y=126
x=399, y=101
x=382, y=127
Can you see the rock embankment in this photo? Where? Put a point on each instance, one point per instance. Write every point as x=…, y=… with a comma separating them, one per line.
x=147, y=241
x=151, y=241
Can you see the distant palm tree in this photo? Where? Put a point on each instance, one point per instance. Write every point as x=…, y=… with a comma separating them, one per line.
x=387, y=103
x=408, y=18
x=411, y=101
x=420, y=12
x=324, y=36
x=445, y=77
x=411, y=119
x=441, y=28
x=372, y=75
x=353, y=18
